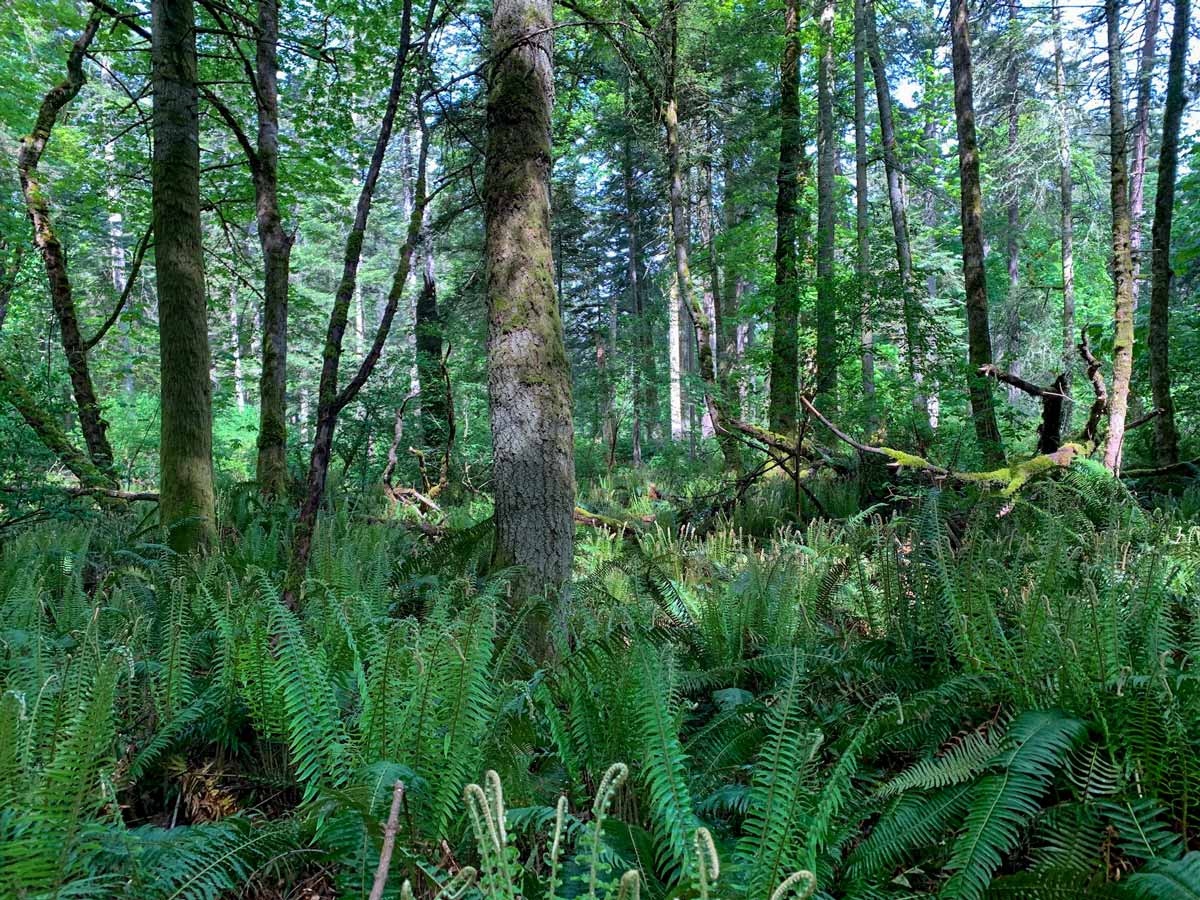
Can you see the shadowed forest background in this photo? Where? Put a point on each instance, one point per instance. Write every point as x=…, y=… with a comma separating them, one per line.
x=608, y=448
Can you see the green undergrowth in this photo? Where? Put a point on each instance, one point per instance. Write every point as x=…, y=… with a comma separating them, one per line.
x=955, y=696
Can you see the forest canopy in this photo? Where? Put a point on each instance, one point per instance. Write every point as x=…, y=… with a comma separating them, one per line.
x=607, y=447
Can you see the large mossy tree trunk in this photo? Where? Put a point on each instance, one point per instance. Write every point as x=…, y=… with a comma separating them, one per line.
x=276, y=246
x=54, y=257
x=187, y=503
x=782, y=407
x=1122, y=258
x=529, y=387
x=979, y=338
x=1166, y=436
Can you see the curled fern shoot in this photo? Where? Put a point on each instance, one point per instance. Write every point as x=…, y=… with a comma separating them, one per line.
x=708, y=864
x=555, y=859
x=792, y=887
x=609, y=785
x=631, y=886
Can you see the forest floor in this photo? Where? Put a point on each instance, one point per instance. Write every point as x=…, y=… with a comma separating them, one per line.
x=944, y=693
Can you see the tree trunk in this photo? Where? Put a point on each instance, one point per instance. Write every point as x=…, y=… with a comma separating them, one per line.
x=785, y=341
x=45, y=238
x=731, y=296
x=187, y=504
x=913, y=339
x=235, y=329
x=529, y=388
x=827, y=356
x=1166, y=438
x=1141, y=139
x=276, y=246
x=713, y=302
x=862, y=214
x=1012, y=89
x=979, y=339
x=1122, y=262
x=116, y=247
x=1067, y=227
x=331, y=401
x=675, y=358
x=50, y=433
x=435, y=411
x=645, y=399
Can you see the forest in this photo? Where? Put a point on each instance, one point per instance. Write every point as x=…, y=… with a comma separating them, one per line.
x=666, y=449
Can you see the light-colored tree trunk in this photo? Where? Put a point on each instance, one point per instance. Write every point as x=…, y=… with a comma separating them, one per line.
x=235, y=344
x=675, y=359
x=1166, y=437
x=529, y=387
x=1067, y=223
x=1141, y=138
x=1122, y=261
x=929, y=406
x=1013, y=312
x=187, y=504
x=979, y=339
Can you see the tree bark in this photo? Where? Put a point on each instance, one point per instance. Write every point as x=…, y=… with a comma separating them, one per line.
x=782, y=408
x=187, y=504
x=276, y=246
x=529, y=388
x=1141, y=139
x=862, y=215
x=645, y=397
x=827, y=355
x=235, y=343
x=979, y=339
x=45, y=238
x=1122, y=262
x=435, y=412
x=50, y=433
x=1166, y=437
x=1012, y=89
x=734, y=287
x=116, y=247
x=675, y=358
x=713, y=298
x=913, y=339
x=1067, y=226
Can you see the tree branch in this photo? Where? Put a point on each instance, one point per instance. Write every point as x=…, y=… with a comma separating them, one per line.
x=139, y=254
